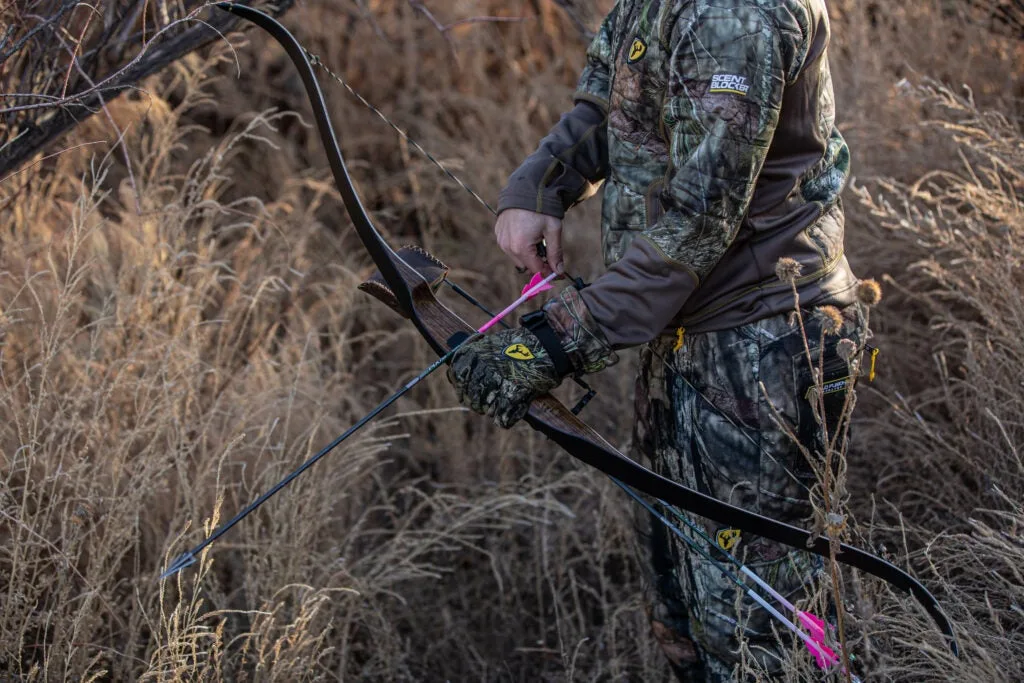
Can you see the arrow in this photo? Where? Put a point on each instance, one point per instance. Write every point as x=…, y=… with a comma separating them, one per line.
x=187, y=559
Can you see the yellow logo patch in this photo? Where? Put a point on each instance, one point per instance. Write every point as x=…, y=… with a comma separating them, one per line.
x=519, y=352
x=637, y=50
x=727, y=539
x=680, y=338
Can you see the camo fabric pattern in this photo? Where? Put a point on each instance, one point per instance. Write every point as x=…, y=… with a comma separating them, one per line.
x=723, y=156
x=691, y=118
x=579, y=333
x=500, y=374
x=701, y=420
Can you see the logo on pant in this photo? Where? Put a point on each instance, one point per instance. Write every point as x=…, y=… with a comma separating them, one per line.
x=727, y=539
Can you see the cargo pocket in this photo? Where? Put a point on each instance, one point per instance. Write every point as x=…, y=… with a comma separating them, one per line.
x=820, y=407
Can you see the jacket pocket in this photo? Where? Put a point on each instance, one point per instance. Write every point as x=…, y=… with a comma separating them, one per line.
x=652, y=202
x=624, y=216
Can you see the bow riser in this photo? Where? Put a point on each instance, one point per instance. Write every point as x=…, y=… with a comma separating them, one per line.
x=429, y=269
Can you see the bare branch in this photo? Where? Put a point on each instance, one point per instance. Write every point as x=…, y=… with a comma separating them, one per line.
x=28, y=126
x=445, y=29
x=96, y=88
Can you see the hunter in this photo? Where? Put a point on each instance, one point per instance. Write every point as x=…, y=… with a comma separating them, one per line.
x=711, y=127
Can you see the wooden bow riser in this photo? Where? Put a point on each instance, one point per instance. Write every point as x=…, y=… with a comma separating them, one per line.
x=429, y=269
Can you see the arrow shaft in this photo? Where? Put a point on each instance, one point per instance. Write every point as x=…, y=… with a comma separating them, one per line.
x=188, y=558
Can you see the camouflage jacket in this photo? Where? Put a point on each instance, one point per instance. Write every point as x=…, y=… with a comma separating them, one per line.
x=712, y=128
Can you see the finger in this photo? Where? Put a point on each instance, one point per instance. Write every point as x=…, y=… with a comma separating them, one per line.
x=504, y=235
x=541, y=249
x=460, y=369
x=500, y=413
x=520, y=265
x=510, y=413
x=526, y=251
x=553, y=240
x=461, y=394
x=476, y=400
x=484, y=389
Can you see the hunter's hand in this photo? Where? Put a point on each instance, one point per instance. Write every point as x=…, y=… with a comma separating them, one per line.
x=500, y=374
x=519, y=231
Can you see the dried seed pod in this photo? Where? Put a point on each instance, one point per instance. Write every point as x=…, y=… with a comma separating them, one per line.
x=787, y=269
x=846, y=348
x=868, y=292
x=831, y=320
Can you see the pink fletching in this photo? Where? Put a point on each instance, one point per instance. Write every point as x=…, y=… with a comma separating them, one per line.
x=536, y=285
x=826, y=657
x=536, y=280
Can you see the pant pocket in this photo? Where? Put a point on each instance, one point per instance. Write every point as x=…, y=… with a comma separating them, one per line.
x=820, y=405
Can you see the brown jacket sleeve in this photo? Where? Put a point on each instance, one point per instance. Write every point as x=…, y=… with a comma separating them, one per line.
x=566, y=168
x=572, y=160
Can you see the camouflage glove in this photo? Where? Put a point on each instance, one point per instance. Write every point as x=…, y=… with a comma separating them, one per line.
x=500, y=374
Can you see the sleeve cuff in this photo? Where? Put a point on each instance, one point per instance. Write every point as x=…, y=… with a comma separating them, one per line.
x=580, y=335
x=521, y=198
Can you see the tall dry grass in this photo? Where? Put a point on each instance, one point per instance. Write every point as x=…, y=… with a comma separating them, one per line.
x=950, y=243
x=161, y=368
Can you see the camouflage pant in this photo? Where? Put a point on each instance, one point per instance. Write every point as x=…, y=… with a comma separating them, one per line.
x=702, y=420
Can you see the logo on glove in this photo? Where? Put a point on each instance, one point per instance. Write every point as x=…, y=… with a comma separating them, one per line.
x=519, y=352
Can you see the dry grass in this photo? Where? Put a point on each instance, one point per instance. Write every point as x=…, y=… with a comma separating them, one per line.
x=957, y=290
x=158, y=369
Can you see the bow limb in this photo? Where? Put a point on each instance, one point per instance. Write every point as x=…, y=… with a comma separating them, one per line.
x=402, y=279
x=442, y=328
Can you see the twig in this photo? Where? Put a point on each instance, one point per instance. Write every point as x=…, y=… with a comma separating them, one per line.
x=48, y=156
x=39, y=27
x=485, y=19
x=78, y=44
x=445, y=29
x=97, y=87
x=113, y=124
x=171, y=48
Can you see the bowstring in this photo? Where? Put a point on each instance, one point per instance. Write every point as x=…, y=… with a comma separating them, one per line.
x=316, y=61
